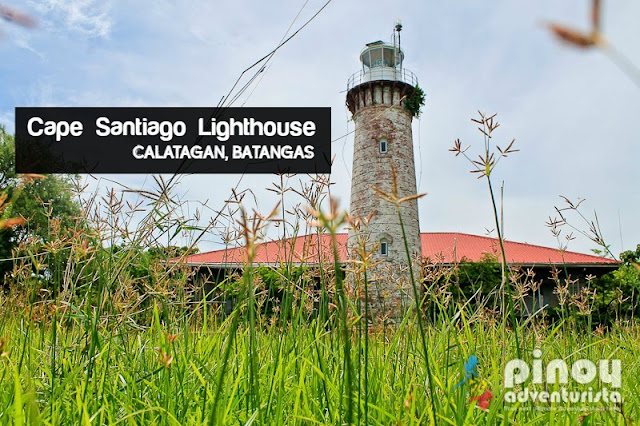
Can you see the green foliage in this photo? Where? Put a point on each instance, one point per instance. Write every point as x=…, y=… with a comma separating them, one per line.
x=619, y=290
x=146, y=264
x=468, y=277
x=279, y=286
x=278, y=279
x=485, y=275
x=415, y=101
x=39, y=202
x=169, y=373
x=630, y=257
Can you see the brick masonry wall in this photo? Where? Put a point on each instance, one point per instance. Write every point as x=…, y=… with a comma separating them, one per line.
x=378, y=114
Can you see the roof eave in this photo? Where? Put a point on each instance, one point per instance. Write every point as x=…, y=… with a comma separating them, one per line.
x=276, y=264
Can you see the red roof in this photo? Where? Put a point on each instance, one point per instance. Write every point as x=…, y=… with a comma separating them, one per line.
x=299, y=250
x=445, y=247
x=450, y=247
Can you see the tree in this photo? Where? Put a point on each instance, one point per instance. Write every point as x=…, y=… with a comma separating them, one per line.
x=37, y=201
x=619, y=290
x=631, y=257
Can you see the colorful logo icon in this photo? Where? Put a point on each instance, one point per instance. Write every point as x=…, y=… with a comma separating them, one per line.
x=480, y=392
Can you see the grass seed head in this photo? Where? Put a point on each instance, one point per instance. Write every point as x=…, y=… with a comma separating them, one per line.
x=164, y=358
x=3, y=346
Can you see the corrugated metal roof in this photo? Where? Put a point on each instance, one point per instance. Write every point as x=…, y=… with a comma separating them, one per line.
x=300, y=250
x=450, y=247
x=445, y=247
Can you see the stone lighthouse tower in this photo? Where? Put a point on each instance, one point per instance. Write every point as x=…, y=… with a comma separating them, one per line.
x=377, y=97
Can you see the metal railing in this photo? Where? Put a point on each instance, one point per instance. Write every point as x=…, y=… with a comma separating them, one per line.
x=382, y=73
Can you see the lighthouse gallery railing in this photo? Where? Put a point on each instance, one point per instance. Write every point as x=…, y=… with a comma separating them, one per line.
x=382, y=73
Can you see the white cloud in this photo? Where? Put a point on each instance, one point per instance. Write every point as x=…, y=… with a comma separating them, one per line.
x=84, y=18
x=23, y=42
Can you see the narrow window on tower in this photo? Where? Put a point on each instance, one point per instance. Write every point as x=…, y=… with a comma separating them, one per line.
x=383, y=146
x=384, y=247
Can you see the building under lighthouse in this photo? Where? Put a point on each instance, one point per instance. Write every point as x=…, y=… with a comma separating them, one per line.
x=377, y=97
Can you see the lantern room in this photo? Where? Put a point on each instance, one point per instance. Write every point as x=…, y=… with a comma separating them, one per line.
x=382, y=61
x=381, y=54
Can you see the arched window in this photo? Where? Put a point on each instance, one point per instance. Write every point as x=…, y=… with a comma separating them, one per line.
x=384, y=247
x=383, y=146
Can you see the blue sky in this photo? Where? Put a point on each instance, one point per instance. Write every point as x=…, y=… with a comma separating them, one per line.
x=574, y=114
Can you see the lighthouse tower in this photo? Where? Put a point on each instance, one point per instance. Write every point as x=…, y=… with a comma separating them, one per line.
x=376, y=96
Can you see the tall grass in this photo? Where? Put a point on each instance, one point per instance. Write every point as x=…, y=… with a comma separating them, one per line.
x=88, y=335
x=140, y=378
